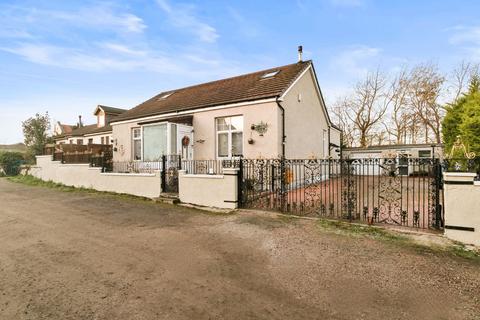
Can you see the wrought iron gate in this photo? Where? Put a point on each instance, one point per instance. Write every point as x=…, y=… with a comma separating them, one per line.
x=398, y=191
x=169, y=174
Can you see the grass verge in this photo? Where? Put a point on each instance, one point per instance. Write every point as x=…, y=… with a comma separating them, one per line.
x=392, y=237
x=33, y=181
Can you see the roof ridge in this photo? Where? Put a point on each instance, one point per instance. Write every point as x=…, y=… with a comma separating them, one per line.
x=244, y=87
x=306, y=62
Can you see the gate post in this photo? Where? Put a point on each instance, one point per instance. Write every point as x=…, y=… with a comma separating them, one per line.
x=283, y=190
x=240, y=183
x=163, y=174
x=349, y=191
x=438, y=184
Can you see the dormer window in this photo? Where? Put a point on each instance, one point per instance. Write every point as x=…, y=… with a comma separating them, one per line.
x=270, y=74
x=165, y=96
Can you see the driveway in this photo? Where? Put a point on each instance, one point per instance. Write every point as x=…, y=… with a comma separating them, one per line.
x=75, y=255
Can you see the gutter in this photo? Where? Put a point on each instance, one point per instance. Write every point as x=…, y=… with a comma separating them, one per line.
x=284, y=137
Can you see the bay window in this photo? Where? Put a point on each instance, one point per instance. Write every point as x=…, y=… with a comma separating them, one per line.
x=229, y=136
x=154, y=142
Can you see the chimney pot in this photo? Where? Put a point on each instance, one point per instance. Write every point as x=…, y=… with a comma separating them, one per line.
x=80, y=124
x=300, y=53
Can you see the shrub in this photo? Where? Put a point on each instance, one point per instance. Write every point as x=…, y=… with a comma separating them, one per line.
x=10, y=163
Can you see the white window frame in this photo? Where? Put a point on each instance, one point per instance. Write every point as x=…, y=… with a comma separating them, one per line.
x=152, y=125
x=140, y=138
x=229, y=137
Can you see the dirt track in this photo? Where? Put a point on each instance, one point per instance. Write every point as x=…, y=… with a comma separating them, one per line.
x=72, y=255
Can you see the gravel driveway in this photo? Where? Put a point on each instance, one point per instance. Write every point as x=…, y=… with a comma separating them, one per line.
x=75, y=255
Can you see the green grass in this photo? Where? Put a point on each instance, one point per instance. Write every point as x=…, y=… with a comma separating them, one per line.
x=394, y=238
x=33, y=181
x=357, y=230
x=267, y=222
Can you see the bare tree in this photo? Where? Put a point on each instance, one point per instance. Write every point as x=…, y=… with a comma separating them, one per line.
x=367, y=105
x=426, y=85
x=461, y=77
x=400, y=114
x=339, y=115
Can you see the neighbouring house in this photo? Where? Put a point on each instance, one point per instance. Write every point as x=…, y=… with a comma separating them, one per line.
x=99, y=133
x=278, y=112
x=423, y=150
x=61, y=129
x=402, y=152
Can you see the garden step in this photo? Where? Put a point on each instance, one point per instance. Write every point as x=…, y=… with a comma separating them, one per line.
x=170, y=198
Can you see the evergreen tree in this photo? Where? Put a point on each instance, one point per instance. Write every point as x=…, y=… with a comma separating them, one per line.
x=470, y=124
x=463, y=119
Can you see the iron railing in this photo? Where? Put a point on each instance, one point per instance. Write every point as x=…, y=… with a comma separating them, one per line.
x=208, y=166
x=397, y=191
x=462, y=165
x=136, y=166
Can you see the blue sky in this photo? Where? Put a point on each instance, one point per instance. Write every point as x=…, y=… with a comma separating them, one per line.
x=66, y=57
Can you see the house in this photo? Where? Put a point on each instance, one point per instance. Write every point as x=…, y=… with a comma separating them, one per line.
x=424, y=150
x=61, y=129
x=401, y=152
x=99, y=133
x=278, y=112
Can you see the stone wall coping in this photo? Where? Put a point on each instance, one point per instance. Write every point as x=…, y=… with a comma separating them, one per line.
x=203, y=176
x=128, y=174
x=459, y=176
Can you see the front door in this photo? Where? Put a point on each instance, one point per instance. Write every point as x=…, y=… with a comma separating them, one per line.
x=185, y=141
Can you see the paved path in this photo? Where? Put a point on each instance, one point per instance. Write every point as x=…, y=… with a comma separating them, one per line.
x=73, y=255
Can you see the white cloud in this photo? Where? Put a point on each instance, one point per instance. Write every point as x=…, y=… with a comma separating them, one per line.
x=105, y=57
x=467, y=39
x=57, y=38
x=247, y=27
x=347, y=3
x=94, y=60
x=34, y=53
x=123, y=49
x=183, y=17
x=25, y=21
x=465, y=35
x=356, y=60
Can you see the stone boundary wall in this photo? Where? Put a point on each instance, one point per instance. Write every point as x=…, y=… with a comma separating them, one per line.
x=82, y=175
x=218, y=191
x=462, y=207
